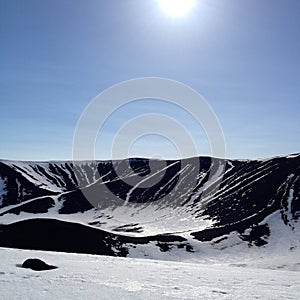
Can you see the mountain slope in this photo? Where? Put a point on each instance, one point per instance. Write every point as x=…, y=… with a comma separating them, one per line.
x=139, y=203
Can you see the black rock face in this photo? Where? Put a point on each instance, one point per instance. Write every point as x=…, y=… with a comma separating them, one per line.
x=37, y=265
x=250, y=192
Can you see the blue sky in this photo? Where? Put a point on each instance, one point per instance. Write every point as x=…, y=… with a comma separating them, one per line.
x=243, y=57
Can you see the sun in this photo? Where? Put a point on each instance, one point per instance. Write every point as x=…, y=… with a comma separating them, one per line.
x=177, y=8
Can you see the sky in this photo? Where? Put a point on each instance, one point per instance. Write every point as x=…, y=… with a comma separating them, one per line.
x=242, y=56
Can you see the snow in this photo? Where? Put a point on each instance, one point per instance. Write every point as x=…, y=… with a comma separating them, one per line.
x=293, y=155
x=99, y=277
x=290, y=199
x=153, y=219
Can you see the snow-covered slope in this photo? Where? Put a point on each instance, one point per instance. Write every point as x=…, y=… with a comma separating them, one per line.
x=101, y=277
x=152, y=209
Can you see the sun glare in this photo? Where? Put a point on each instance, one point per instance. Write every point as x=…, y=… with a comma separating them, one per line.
x=177, y=8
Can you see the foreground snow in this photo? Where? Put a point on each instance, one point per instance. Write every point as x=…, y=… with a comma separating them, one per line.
x=99, y=277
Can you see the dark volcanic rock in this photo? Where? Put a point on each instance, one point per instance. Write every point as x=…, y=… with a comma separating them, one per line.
x=37, y=265
x=55, y=235
x=249, y=193
x=257, y=236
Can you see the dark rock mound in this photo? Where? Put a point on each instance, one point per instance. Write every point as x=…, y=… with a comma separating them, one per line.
x=37, y=265
x=56, y=235
x=257, y=235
